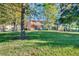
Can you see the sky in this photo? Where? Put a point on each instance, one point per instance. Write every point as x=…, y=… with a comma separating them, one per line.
x=40, y=11
x=39, y=14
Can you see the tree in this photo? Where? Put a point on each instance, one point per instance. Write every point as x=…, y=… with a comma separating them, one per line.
x=51, y=12
x=10, y=14
x=69, y=13
x=22, y=21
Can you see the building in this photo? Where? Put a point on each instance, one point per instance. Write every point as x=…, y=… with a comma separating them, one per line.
x=34, y=25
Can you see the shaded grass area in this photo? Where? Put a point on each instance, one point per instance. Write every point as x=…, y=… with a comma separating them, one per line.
x=41, y=43
x=7, y=36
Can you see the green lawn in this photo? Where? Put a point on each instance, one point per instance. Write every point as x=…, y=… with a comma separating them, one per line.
x=41, y=43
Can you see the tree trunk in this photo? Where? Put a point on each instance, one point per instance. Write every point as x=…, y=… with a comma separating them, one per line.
x=15, y=26
x=3, y=27
x=22, y=21
x=58, y=25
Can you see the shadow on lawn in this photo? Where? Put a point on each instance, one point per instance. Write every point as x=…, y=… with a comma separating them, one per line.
x=6, y=37
x=55, y=39
x=52, y=39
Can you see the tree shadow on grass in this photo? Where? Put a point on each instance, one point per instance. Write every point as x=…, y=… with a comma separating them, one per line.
x=51, y=38
x=6, y=37
x=55, y=39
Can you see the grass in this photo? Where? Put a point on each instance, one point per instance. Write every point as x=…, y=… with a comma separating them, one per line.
x=41, y=43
